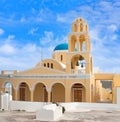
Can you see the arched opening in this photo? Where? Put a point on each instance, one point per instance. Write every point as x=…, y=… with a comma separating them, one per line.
x=78, y=64
x=40, y=93
x=78, y=93
x=82, y=43
x=24, y=92
x=9, y=89
x=58, y=93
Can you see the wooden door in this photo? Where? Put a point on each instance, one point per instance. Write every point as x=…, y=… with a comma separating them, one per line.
x=77, y=95
x=22, y=94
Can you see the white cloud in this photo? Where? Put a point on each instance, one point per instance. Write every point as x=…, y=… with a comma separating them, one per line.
x=33, y=31
x=47, y=38
x=112, y=27
x=1, y=31
x=7, y=49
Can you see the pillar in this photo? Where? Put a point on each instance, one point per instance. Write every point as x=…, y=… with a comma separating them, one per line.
x=31, y=95
x=67, y=93
x=49, y=95
x=16, y=94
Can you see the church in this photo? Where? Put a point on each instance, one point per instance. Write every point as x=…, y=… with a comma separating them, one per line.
x=66, y=77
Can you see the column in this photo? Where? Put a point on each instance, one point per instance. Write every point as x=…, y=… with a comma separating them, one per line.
x=16, y=94
x=87, y=43
x=49, y=95
x=31, y=95
x=67, y=93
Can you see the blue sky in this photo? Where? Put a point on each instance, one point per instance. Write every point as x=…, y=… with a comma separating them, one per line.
x=27, y=26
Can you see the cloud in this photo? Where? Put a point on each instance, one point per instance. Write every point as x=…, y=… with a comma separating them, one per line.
x=33, y=31
x=7, y=49
x=1, y=31
x=113, y=27
x=6, y=46
x=47, y=38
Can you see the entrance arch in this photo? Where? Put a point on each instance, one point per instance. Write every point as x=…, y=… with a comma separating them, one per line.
x=58, y=93
x=78, y=93
x=9, y=89
x=40, y=93
x=24, y=92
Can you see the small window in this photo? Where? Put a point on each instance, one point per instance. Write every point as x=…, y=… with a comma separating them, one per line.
x=47, y=64
x=44, y=65
x=51, y=65
x=61, y=57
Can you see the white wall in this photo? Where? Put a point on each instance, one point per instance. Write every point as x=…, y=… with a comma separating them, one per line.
x=5, y=98
x=27, y=106
x=76, y=107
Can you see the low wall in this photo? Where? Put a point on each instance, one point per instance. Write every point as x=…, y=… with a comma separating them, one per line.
x=70, y=107
x=27, y=106
x=79, y=107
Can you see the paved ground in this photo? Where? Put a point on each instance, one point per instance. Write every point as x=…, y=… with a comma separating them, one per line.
x=90, y=116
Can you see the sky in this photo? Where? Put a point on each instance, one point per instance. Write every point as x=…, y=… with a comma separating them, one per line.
x=29, y=28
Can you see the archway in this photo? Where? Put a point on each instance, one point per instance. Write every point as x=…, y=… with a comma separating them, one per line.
x=82, y=43
x=9, y=89
x=58, y=93
x=24, y=92
x=40, y=93
x=78, y=93
x=78, y=64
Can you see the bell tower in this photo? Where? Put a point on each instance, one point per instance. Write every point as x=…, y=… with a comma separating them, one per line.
x=79, y=47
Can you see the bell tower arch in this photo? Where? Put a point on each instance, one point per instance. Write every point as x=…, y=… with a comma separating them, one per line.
x=79, y=37
x=79, y=43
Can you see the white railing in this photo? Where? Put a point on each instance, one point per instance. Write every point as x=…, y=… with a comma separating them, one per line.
x=57, y=76
x=80, y=71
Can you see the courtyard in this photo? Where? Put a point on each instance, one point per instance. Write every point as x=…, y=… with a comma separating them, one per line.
x=84, y=116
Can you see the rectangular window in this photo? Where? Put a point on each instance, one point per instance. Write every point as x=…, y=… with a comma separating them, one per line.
x=44, y=65
x=51, y=65
x=61, y=57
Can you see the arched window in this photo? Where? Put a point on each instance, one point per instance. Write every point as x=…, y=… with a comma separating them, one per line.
x=48, y=65
x=61, y=57
x=51, y=65
x=44, y=65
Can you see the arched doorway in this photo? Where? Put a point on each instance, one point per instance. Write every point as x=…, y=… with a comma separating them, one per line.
x=78, y=93
x=24, y=92
x=58, y=93
x=40, y=93
x=9, y=89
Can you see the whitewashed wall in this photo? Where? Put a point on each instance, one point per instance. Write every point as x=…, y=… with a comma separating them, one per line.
x=27, y=106
x=76, y=107
x=79, y=107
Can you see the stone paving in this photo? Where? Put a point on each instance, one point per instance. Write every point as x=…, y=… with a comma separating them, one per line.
x=89, y=116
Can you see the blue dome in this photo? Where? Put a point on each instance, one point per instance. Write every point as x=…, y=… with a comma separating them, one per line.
x=63, y=46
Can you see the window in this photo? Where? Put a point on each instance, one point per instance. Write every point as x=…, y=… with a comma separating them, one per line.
x=44, y=65
x=47, y=64
x=61, y=57
x=51, y=65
